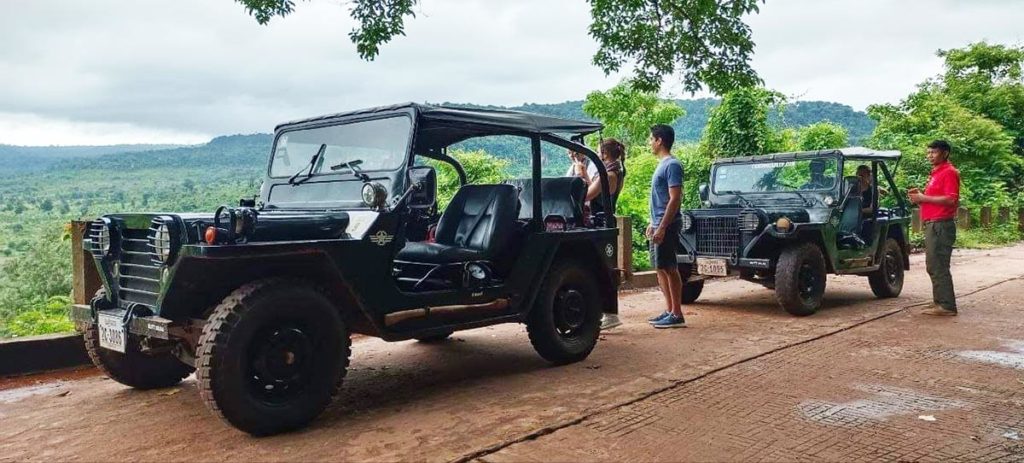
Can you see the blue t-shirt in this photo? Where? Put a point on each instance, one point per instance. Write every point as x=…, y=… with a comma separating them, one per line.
x=669, y=173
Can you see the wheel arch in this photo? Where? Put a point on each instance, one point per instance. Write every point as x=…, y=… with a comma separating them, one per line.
x=587, y=253
x=202, y=293
x=897, y=232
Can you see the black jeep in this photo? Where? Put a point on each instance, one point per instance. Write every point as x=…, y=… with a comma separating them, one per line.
x=786, y=220
x=347, y=237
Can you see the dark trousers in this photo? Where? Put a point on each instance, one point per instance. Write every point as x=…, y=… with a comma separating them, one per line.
x=939, y=238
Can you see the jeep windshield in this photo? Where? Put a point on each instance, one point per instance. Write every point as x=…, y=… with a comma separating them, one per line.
x=379, y=144
x=792, y=176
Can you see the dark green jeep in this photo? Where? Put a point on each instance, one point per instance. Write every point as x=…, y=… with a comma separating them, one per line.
x=787, y=220
x=260, y=300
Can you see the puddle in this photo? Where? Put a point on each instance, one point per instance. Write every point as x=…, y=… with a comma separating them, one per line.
x=884, y=402
x=1013, y=359
x=11, y=396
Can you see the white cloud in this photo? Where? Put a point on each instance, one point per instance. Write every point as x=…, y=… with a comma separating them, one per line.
x=115, y=70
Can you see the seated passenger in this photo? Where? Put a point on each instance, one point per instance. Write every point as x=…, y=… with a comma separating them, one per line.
x=818, y=180
x=867, y=193
x=613, y=154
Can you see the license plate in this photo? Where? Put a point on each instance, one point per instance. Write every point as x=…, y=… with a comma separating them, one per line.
x=112, y=332
x=715, y=267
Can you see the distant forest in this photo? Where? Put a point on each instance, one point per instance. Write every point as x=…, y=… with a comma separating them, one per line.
x=252, y=150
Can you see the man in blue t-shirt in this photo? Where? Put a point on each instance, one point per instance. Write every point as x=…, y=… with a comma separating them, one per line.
x=663, y=232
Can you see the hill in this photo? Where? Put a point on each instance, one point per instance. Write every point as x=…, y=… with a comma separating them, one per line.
x=15, y=158
x=690, y=127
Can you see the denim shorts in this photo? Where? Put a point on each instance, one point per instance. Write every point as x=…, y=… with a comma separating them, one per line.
x=663, y=255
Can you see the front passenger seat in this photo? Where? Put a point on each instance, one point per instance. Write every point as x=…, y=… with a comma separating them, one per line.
x=477, y=225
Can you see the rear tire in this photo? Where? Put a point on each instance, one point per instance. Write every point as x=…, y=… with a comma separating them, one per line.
x=566, y=319
x=800, y=279
x=133, y=368
x=272, y=356
x=691, y=290
x=887, y=281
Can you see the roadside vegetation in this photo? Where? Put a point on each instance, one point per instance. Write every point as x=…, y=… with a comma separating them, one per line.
x=977, y=104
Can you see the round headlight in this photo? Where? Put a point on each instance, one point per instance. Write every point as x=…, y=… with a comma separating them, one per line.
x=829, y=201
x=687, y=222
x=783, y=224
x=749, y=221
x=374, y=195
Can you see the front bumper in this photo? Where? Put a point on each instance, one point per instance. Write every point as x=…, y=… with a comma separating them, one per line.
x=152, y=326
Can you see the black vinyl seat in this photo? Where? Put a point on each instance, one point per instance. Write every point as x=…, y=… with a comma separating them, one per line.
x=477, y=225
x=850, y=220
x=562, y=196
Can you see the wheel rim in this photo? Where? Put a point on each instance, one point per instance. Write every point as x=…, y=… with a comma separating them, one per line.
x=570, y=311
x=891, y=269
x=808, y=282
x=280, y=362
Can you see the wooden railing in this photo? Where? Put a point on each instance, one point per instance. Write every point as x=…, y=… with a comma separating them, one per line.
x=964, y=218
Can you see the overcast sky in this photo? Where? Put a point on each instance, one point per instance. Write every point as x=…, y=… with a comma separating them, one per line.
x=182, y=71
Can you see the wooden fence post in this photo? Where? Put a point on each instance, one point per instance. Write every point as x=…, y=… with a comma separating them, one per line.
x=963, y=218
x=915, y=220
x=625, y=245
x=986, y=216
x=85, y=281
x=1004, y=215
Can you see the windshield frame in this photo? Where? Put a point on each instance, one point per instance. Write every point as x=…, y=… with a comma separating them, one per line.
x=837, y=177
x=336, y=123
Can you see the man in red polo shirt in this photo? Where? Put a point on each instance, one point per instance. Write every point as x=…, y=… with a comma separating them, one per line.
x=939, y=203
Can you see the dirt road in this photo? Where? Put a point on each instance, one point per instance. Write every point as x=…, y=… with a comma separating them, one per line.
x=859, y=380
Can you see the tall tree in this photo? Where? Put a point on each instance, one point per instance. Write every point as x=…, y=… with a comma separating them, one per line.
x=703, y=43
x=628, y=112
x=739, y=125
x=988, y=79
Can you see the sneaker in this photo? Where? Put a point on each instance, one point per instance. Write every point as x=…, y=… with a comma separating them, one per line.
x=658, y=318
x=671, y=321
x=939, y=312
x=609, y=321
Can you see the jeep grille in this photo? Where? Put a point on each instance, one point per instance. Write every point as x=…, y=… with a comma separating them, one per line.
x=138, y=276
x=717, y=236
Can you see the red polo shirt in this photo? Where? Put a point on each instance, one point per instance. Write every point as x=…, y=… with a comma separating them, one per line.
x=945, y=181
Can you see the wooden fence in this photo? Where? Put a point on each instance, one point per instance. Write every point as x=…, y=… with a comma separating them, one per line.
x=965, y=221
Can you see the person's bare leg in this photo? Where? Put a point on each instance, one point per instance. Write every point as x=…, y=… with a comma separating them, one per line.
x=663, y=285
x=675, y=291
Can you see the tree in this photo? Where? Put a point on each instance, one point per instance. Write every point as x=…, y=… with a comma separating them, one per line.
x=982, y=149
x=988, y=80
x=628, y=112
x=739, y=125
x=703, y=42
x=821, y=136
x=480, y=168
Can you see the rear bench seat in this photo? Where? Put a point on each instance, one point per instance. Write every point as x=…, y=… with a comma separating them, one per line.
x=563, y=196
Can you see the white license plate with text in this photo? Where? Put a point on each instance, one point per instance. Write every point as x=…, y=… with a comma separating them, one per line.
x=714, y=267
x=112, y=332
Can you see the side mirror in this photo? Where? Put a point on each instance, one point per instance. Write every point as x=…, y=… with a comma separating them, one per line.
x=426, y=197
x=702, y=191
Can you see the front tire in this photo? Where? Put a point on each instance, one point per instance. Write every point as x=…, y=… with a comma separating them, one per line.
x=800, y=279
x=566, y=319
x=133, y=368
x=272, y=356
x=691, y=289
x=887, y=281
